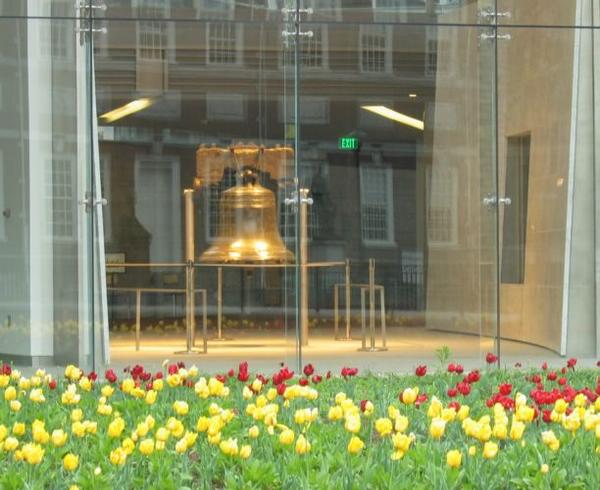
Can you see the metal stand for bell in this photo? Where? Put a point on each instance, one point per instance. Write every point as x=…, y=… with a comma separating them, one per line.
x=190, y=302
x=336, y=305
x=371, y=290
x=220, y=337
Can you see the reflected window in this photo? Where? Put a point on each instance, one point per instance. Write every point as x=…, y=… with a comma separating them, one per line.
x=431, y=51
x=375, y=48
x=224, y=41
x=315, y=110
x=151, y=32
x=59, y=198
x=376, y=204
x=313, y=50
x=287, y=224
x=442, y=206
x=515, y=215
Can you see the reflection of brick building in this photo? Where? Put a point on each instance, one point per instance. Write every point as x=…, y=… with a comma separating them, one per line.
x=217, y=81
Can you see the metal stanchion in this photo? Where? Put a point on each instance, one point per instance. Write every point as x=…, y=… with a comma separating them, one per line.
x=348, y=297
x=305, y=201
x=371, y=290
x=138, y=317
x=363, y=332
x=336, y=305
x=190, y=313
x=220, y=336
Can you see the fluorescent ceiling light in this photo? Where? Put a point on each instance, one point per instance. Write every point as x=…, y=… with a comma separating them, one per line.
x=412, y=96
x=127, y=109
x=388, y=113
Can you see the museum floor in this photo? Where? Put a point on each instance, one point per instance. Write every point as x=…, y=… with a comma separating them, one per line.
x=265, y=350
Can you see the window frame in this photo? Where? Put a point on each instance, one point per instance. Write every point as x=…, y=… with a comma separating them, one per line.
x=389, y=205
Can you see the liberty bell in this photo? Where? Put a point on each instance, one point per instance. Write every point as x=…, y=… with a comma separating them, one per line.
x=247, y=230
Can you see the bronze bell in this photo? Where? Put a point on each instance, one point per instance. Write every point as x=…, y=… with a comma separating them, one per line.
x=247, y=229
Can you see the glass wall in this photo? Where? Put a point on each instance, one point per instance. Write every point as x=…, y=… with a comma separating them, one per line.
x=348, y=183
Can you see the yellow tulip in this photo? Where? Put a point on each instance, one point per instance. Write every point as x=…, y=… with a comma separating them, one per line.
x=180, y=408
x=335, y=413
x=11, y=443
x=437, y=427
x=18, y=428
x=490, y=449
x=229, y=447
x=516, y=430
x=355, y=445
x=59, y=437
x=245, y=451
x=383, y=426
x=146, y=447
x=544, y=468
x=10, y=393
x=253, y=432
x=352, y=423
x=454, y=458
x=37, y=395
x=409, y=395
x=500, y=431
x=15, y=405
x=286, y=437
x=118, y=457
x=302, y=445
x=70, y=462
x=33, y=453
x=3, y=432
x=472, y=450
x=560, y=406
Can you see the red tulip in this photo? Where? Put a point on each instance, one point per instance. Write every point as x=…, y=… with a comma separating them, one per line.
x=149, y=386
x=6, y=369
x=363, y=405
x=536, y=378
x=328, y=375
x=546, y=416
x=458, y=369
x=52, y=384
x=562, y=381
x=221, y=377
x=552, y=376
x=308, y=370
x=451, y=367
x=505, y=389
x=110, y=376
x=172, y=369
x=422, y=398
x=303, y=382
x=473, y=376
x=491, y=358
x=545, y=366
x=317, y=378
x=281, y=389
x=464, y=388
x=455, y=405
x=452, y=392
x=231, y=373
x=421, y=370
x=571, y=363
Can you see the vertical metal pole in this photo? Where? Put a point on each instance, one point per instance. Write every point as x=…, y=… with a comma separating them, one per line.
x=138, y=314
x=190, y=302
x=336, y=306
x=372, y=301
x=219, y=303
x=304, y=201
x=347, y=280
x=204, y=323
x=383, y=325
x=363, y=332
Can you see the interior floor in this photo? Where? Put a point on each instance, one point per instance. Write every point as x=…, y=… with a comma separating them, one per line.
x=265, y=350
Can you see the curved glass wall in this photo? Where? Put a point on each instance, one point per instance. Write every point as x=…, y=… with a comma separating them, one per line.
x=348, y=183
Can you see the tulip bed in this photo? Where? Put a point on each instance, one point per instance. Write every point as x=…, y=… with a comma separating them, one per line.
x=178, y=428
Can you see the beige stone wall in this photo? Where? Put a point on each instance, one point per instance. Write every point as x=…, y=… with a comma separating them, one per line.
x=535, y=70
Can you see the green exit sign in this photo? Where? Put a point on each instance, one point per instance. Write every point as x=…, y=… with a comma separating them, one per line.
x=348, y=143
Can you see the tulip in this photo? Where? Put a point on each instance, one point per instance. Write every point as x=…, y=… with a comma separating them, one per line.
x=253, y=432
x=15, y=405
x=383, y=426
x=286, y=437
x=11, y=443
x=454, y=458
x=352, y=423
x=18, y=428
x=245, y=451
x=409, y=395
x=146, y=447
x=302, y=445
x=355, y=445
x=70, y=462
x=10, y=393
x=180, y=408
x=33, y=453
x=59, y=437
x=118, y=457
x=490, y=449
x=437, y=427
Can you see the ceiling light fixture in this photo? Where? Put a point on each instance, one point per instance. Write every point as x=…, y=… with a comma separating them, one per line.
x=127, y=109
x=388, y=113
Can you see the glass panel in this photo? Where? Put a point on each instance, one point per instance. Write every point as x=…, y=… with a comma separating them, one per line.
x=546, y=120
x=223, y=10
x=45, y=8
x=545, y=12
x=397, y=148
x=399, y=11
x=45, y=256
x=201, y=106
